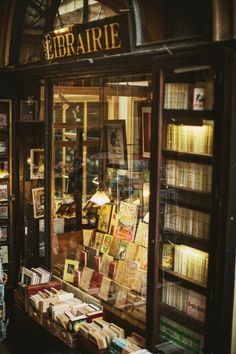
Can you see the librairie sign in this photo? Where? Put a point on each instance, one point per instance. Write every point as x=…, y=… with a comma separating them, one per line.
x=98, y=38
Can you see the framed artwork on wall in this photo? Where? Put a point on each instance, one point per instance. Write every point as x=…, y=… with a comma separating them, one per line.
x=36, y=163
x=115, y=135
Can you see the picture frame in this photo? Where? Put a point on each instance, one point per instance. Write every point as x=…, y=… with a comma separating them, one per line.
x=5, y=114
x=36, y=163
x=115, y=136
x=4, y=212
x=38, y=202
x=29, y=109
x=146, y=115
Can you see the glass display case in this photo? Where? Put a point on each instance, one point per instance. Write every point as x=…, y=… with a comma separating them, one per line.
x=101, y=149
x=5, y=185
x=187, y=199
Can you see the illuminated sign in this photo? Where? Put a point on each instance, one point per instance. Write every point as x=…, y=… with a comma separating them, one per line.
x=97, y=38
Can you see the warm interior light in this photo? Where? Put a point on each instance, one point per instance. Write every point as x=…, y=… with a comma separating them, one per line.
x=100, y=198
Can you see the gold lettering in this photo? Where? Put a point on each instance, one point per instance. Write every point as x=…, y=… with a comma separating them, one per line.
x=96, y=38
x=115, y=41
x=80, y=45
x=47, y=44
x=88, y=41
x=61, y=46
x=106, y=37
x=69, y=43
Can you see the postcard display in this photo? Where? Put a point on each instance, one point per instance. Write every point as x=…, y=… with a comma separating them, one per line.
x=5, y=190
x=106, y=255
x=5, y=182
x=186, y=213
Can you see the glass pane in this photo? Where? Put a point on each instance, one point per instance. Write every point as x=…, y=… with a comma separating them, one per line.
x=101, y=189
x=185, y=210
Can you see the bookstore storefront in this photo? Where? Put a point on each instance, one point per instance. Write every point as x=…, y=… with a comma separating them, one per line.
x=120, y=143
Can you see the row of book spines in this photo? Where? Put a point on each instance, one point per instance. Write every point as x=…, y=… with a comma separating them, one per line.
x=186, y=261
x=181, y=335
x=187, y=221
x=188, y=175
x=180, y=95
x=190, y=139
x=184, y=300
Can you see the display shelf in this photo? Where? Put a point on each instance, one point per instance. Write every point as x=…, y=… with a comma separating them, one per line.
x=182, y=318
x=188, y=240
x=193, y=285
x=189, y=114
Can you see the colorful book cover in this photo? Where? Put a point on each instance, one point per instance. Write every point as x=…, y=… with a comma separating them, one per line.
x=123, y=246
x=104, y=217
x=106, y=243
x=126, y=221
x=69, y=270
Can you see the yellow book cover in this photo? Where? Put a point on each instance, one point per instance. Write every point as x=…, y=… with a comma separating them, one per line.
x=69, y=270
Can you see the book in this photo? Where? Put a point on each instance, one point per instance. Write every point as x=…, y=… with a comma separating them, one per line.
x=86, y=277
x=106, y=243
x=126, y=221
x=106, y=259
x=112, y=269
x=121, y=297
x=104, y=288
x=69, y=270
x=121, y=253
x=83, y=259
x=26, y=276
x=91, y=253
x=113, y=292
x=97, y=240
x=141, y=237
x=87, y=236
x=95, y=282
x=104, y=216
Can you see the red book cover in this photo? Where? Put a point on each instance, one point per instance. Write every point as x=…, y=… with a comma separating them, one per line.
x=97, y=263
x=111, y=269
x=95, y=282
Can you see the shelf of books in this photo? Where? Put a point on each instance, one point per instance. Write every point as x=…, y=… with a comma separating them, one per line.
x=187, y=134
x=5, y=181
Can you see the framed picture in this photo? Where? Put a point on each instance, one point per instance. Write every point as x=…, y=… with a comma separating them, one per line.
x=38, y=202
x=3, y=146
x=5, y=113
x=36, y=163
x=28, y=109
x=115, y=134
x=3, y=233
x=146, y=114
x=3, y=211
